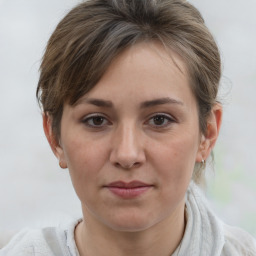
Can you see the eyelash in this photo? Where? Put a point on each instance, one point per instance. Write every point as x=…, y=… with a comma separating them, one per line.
x=167, y=119
x=92, y=118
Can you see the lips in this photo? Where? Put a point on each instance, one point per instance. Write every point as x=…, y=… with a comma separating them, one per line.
x=128, y=190
x=132, y=184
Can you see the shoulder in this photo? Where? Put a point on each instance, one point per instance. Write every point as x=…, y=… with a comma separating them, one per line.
x=215, y=236
x=238, y=242
x=44, y=242
x=26, y=242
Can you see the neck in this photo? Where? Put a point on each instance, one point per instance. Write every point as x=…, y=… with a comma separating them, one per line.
x=162, y=239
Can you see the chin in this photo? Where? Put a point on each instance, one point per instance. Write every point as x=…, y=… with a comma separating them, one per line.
x=132, y=223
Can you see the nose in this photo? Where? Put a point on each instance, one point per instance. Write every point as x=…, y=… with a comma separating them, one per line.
x=127, y=148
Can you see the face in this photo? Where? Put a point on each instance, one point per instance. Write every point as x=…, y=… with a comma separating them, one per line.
x=131, y=143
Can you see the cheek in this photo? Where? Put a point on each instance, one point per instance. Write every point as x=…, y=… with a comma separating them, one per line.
x=85, y=160
x=175, y=158
x=83, y=154
x=174, y=165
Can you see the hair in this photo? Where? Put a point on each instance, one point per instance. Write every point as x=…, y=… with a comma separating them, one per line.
x=93, y=33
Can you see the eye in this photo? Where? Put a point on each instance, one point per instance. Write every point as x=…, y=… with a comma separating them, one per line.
x=96, y=121
x=160, y=120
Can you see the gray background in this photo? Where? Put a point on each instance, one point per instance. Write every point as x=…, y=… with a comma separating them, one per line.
x=35, y=192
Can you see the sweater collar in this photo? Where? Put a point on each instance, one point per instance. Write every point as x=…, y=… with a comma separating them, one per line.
x=204, y=233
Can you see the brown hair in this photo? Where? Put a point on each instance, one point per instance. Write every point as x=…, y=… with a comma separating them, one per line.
x=92, y=34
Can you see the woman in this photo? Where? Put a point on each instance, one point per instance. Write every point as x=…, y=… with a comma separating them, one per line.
x=128, y=91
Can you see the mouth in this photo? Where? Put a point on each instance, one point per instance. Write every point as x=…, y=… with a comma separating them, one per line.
x=128, y=190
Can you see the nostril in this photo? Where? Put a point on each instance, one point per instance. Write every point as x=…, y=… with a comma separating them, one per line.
x=117, y=165
x=136, y=164
x=127, y=166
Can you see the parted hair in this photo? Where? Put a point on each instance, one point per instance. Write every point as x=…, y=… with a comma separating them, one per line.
x=93, y=33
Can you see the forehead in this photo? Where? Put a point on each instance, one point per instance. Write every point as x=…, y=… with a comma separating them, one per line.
x=144, y=70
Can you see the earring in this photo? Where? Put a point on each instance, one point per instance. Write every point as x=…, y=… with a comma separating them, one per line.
x=203, y=163
x=62, y=165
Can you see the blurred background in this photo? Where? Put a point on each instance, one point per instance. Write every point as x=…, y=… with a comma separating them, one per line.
x=35, y=192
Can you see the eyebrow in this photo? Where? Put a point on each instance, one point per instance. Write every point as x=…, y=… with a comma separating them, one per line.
x=160, y=101
x=96, y=102
x=145, y=104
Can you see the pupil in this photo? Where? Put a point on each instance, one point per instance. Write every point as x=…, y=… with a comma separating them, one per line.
x=97, y=120
x=158, y=120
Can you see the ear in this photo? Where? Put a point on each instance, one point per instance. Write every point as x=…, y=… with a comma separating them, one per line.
x=54, y=144
x=209, y=139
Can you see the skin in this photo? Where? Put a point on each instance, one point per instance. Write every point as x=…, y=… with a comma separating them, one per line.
x=146, y=129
